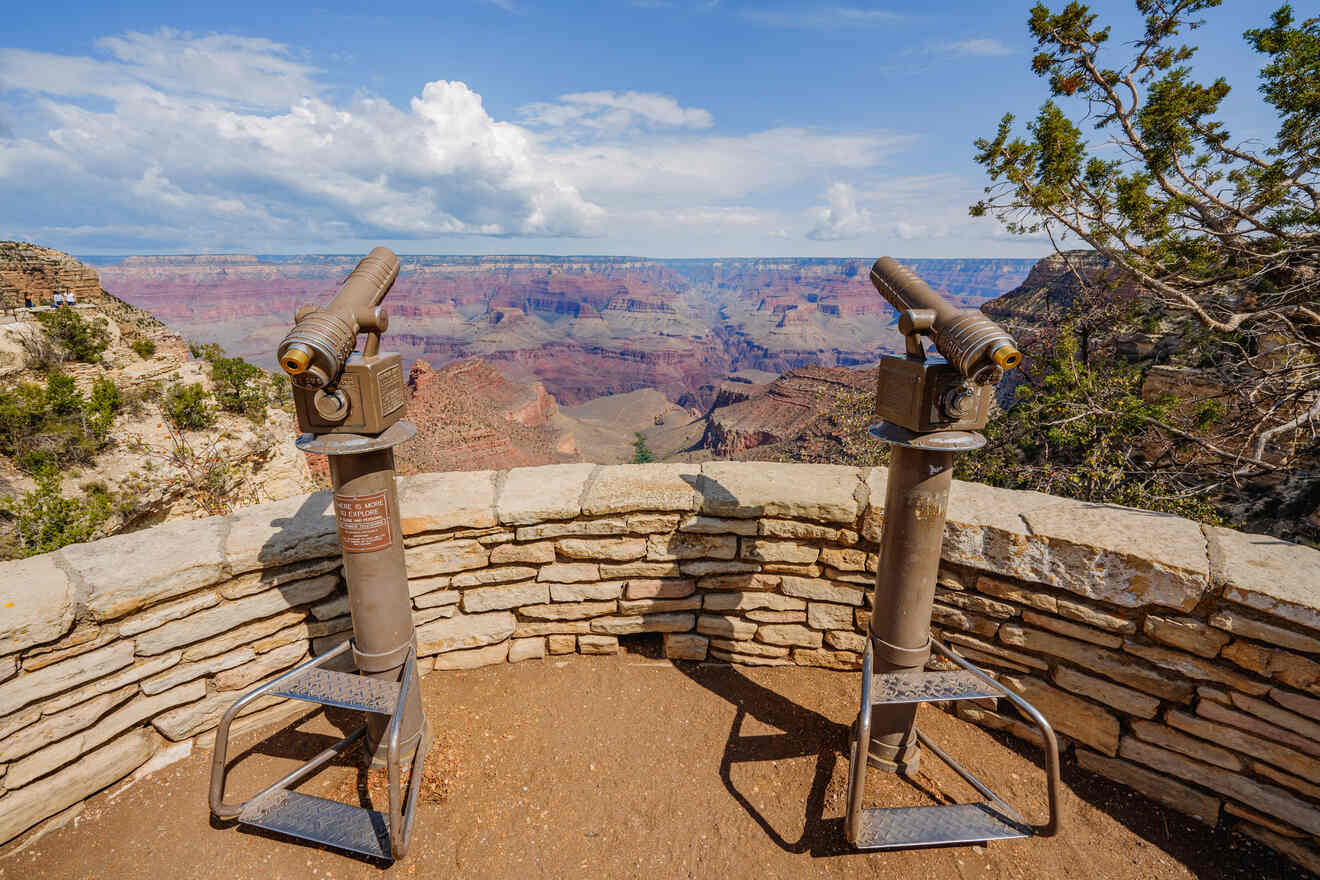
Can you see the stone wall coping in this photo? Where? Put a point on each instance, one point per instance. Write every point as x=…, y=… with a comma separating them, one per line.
x=1128, y=557
x=1266, y=573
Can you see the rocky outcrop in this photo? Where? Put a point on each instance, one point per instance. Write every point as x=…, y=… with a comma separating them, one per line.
x=1051, y=288
x=469, y=415
x=150, y=472
x=35, y=272
x=776, y=417
x=1179, y=660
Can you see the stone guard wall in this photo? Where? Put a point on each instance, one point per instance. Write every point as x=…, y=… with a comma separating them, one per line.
x=1181, y=660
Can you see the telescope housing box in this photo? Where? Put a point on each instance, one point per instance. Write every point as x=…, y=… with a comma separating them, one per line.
x=913, y=393
x=372, y=387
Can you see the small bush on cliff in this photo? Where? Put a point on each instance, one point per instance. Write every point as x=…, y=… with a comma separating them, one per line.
x=144, y=347
x=45, y=520
x=81, y=340
x=240, y=387
x=1079, y=430
x=641, y=452
x=188, y=407
x=55, y=425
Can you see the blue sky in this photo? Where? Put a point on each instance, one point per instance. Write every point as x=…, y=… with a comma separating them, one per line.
x=654, y=127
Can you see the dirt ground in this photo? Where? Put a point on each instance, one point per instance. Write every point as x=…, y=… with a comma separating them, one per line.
x=633, y=766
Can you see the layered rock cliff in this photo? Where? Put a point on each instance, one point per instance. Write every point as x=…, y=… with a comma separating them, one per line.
x=143, y=469
x=470, y=416
x=29, y=271
x=586, y=327
x=778, y=419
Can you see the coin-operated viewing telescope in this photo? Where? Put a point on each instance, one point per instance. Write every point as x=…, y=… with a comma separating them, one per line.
x=931, y=408
x=351, y=404
x=335, y=389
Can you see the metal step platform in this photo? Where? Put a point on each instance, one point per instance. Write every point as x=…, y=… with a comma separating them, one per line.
x=382, y=835
x=342, y=689
x=342, y=826
x=910, y=827
x=929, y=687
x=942, y=825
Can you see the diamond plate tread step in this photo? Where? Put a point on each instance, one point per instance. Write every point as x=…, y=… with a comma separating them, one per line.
x=902, y=827
x=324, y=821
x=343, y=689
x=925, y=687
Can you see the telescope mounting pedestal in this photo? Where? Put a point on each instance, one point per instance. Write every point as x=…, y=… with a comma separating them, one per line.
x=931, y=410
x=351, y=406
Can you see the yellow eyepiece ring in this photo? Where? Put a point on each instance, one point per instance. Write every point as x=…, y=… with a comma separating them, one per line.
x=295, y=361
x=1006, y=356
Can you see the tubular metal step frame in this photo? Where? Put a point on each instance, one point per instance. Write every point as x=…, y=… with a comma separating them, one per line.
x=905, y=827
x=277, y=808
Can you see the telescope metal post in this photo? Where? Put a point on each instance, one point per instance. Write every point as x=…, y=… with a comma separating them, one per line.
x=367, y=514
x=931, y=410
x=916, y=501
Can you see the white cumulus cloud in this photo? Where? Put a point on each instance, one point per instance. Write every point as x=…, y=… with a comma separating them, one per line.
x=172, y=141
x=231, y=138
x=841, y=218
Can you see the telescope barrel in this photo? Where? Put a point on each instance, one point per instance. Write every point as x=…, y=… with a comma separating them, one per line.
x=906, y=291
x=976, y=346
x=367, y=284
x=316, y=349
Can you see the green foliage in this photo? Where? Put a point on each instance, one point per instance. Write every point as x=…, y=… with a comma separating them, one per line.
x=1215, y=236
x=1200, y=220
x=849, y=415
x=53, y=425
x=81, y=339
x=45, y=520
x=144, y=347
x=187, y=407
x=62, y=397
x=101, y=406
x=240, y=387
x=641, y=452
x=1079, y=431
x=22, y=412
x=206, y=351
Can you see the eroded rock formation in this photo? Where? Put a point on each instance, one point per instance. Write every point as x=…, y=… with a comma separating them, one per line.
x=31, y=271
x=586, y=327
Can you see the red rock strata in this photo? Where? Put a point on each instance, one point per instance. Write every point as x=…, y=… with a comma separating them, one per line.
x=471, y=417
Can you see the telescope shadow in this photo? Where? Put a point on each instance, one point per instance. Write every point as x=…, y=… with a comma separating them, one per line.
x=805, y=733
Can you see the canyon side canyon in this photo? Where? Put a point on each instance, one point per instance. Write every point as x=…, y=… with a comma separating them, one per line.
x=584, y=327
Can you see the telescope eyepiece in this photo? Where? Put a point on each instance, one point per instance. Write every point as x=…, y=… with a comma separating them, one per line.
x=296, y=359
x=1007, y=356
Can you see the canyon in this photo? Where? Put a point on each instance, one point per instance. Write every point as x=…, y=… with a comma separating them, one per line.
x=585, y=327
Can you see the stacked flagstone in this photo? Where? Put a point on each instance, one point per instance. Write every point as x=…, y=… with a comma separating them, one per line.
x=1181, y=660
